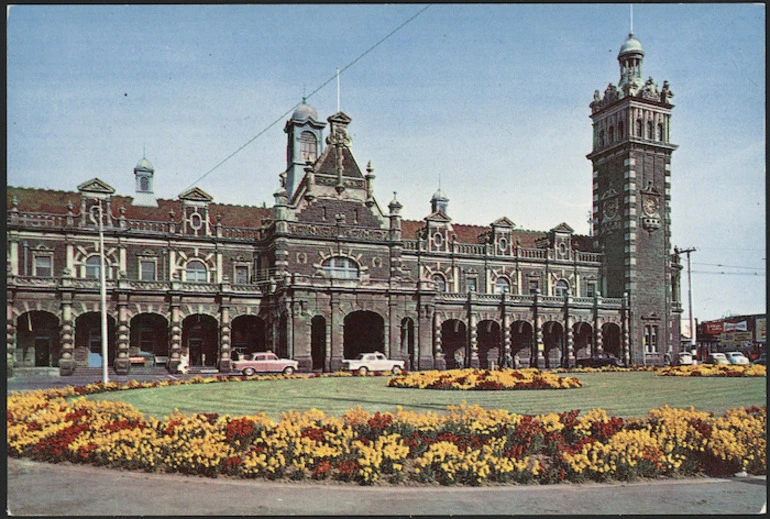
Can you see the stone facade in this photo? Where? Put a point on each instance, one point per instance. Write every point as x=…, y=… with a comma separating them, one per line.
x=327, y=273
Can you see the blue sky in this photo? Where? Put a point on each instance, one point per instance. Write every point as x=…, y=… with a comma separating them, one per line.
x=491, y=99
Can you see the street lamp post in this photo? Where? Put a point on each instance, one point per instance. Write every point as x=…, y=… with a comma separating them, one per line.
x=103, y=294
x=689, y=292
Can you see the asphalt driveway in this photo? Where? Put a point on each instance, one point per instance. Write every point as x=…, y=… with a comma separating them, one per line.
x=77, y=490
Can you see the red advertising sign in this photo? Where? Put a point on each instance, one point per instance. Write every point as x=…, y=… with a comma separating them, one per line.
x=714, y=327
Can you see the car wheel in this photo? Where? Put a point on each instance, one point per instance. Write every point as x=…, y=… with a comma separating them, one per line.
x=396, y=370
x=248, y=372
x=288, y=370
x=363, y=371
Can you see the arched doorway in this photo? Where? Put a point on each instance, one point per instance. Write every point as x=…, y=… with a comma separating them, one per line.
x=200, y=338
x=521, y=343
x=37, y=339
x=149, y=335
x=611, y=339
x=553, y=342
x=407, y=342
x=364, y=332
x=318, y=343
x=248, y=335
x=454, y=343
x=488, y=337
x=582, y=334
x=282, y=345
x=88, y=339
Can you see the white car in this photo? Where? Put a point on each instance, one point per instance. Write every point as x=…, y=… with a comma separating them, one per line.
x=717, y=358
x=367, y=362
x=685, y=359
x=736, y=357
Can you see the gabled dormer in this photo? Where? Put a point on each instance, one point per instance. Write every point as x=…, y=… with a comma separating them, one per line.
x=438, y=232
x=502, y=229
x=195, y=212
x=561, y=241
x=92, y=192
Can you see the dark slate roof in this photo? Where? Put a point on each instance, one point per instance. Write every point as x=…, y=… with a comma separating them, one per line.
x=328, y=163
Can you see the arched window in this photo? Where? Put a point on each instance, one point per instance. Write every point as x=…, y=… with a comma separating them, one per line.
x=561, y=289
x=340, y=267
x=639, y=128
x=601, y=139
x=308, y=146
x=93, y=267
x=440, y=283
x=612, y=134
x=502, y=286
x=650, y=133
x=144, y=184
x=660, y=132
x=621, y=130
x=196, y=272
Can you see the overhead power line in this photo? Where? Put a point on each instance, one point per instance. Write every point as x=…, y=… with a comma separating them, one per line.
x=290, y=110
x=757, y=274
x=728, y=266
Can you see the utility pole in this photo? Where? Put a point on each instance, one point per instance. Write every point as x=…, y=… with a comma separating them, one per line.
x=678, y=251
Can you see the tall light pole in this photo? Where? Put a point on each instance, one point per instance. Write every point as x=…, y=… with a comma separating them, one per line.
x=103, y=294
x=689, y=292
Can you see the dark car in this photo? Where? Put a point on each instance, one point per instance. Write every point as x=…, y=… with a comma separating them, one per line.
x=599, y=360
x=762, y=359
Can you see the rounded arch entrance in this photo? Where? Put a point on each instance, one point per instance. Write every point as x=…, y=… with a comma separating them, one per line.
x=318, y=351
x=363, y=332
x=454, y=342
x=582, y=339
x=37, y=339
x=553, y=343
x=488, y=337
x=611, y=339
x=88, y=339
x=200, y=338
x=521, y=343
x=149, y=334
x=248, y=334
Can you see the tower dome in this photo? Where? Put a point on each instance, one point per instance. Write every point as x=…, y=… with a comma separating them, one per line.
x=304, y=112
x=630, y=46
x=144, y=165
x=439, y=202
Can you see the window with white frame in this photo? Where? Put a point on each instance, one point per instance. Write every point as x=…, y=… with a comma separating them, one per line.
x=241, y=274
x=561, y=289
x=339, y=267
x=196, y=272
x=93, y=267
x=651, y=338
x=148, y=270
x=43, y=266
x=591, y=289
x=502, y=286
x=308, y=146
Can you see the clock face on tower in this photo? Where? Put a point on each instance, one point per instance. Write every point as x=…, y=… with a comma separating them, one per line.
x=610, y=208
x=650, y=206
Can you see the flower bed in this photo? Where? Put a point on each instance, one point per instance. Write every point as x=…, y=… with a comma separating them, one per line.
x=714, y=370
x=484, y=380
x=466, y=445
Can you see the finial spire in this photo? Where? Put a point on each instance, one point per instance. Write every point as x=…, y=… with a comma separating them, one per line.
x=631, y=27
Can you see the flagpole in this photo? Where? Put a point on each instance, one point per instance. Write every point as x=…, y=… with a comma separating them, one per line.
x=103, y=294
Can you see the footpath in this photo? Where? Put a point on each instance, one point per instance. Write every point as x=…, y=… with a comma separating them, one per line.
x=42, y=489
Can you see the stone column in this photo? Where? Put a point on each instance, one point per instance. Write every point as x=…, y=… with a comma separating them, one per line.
x=439, y=360
x=599, y=348
x=539, y=344
x=225, y=365
x=10, y=328
x=122, y=363
x=175, y=336
x=473, y=339
x=506, y=353
x=625, y=343
x=67, y=338
x=569, y=360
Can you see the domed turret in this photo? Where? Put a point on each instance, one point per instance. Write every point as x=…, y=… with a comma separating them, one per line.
x=304, y=112
x=439, y=202
x=305, y=143
x=144, y=173
x=144, y=165
x=631, y=46
x=630, y=59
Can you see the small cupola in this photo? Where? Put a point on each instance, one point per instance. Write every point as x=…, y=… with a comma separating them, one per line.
x=439, y=202
x=144, y=174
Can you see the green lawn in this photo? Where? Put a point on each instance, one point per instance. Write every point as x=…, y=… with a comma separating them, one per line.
x=620, y=394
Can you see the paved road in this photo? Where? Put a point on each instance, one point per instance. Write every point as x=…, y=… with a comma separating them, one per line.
x=77, y=490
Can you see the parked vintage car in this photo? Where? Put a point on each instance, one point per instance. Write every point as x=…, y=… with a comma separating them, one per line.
x=249, y=364
x=367, y=362
x=736, y=357
x=599, y=360
x=717, y=358
x=762, y=359
x=684, y=359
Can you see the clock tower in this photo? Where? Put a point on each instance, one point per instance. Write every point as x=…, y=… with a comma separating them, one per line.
x=631, y=160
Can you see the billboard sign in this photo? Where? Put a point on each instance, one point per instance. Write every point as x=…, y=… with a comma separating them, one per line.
x=741, y=326
x=760, y=329
x=713, y=327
